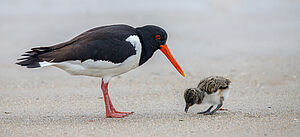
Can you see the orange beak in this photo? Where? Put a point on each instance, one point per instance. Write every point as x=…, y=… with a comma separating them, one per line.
x=164, y=49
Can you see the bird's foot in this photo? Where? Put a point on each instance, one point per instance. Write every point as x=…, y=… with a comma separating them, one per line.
x=115, y=115
x=209, y=113
x=204, y=112
x=127, y=113
x=118, y=114
x=223, y=109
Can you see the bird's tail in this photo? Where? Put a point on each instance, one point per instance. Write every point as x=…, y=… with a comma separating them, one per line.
x=31, y=58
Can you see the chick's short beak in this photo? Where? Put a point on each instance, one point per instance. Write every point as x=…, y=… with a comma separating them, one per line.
x=187, y=107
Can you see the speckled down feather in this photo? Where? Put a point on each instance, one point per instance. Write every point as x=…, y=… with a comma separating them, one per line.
x=212, y=84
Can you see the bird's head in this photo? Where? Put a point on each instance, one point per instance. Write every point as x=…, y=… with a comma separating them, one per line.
x=190, y=97
x=155, y=38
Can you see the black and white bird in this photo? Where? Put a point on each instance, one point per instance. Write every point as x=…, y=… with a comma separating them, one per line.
x=103, y=52
x=211, y=90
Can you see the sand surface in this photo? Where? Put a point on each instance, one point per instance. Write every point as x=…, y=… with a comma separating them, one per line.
x=256, y=45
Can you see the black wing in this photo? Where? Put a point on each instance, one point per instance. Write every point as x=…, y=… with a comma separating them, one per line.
x=103, y=43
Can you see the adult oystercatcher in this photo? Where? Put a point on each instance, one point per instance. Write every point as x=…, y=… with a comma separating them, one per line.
x=212, y=90
x=103, y=52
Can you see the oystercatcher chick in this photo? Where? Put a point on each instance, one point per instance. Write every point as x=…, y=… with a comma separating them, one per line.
x=103, y=52
x=211, y=90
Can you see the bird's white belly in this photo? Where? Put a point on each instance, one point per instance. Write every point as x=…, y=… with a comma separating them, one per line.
x=225, y=93
x=215, y=98
x=98, y=68
x=212, y=99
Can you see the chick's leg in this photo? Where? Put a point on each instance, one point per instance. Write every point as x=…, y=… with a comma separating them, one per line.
x=206, y=110
x=217, y=108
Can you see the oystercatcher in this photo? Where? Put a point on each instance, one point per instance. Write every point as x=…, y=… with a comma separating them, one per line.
x=103, y=52
x=212, y=90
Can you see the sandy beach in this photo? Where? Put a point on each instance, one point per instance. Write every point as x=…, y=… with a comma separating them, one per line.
x=256, y=45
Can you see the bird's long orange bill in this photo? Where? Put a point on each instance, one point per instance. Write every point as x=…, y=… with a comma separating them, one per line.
x=164, y=49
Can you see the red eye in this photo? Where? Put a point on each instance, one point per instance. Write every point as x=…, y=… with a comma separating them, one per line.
x=157, y=37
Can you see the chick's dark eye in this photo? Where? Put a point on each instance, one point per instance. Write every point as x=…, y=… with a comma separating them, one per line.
x=157, y=37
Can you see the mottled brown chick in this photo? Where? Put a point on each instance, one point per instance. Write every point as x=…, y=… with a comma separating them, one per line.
x=211, y=90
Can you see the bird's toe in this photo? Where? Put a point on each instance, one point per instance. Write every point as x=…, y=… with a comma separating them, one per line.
x=210, y=113
x=116, y=115
x=127, y=113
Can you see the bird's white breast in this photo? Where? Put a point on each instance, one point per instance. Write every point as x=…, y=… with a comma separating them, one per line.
x=214, y=98
x=225, y=93
x=102, y=68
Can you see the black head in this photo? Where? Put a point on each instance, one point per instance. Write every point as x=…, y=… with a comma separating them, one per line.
x=190, y=97
x=154, y=38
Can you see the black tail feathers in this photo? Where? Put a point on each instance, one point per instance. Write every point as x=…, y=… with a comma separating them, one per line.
x=31, y=58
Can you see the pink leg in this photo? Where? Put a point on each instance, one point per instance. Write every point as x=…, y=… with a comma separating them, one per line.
x=110, y=110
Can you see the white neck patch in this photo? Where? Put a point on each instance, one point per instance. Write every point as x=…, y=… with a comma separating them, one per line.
x=135, y=42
